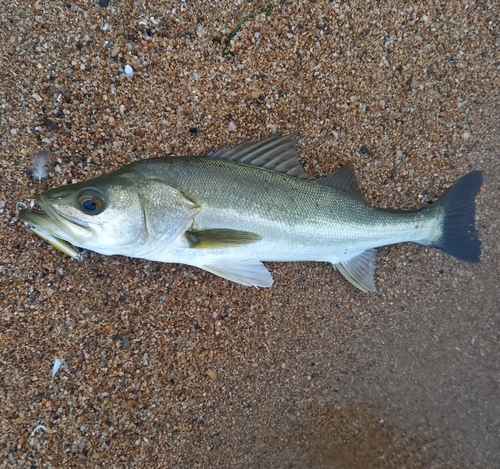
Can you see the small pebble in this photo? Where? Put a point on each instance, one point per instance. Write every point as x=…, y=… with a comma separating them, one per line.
x=38, y=427
x=211, y=374
x=129, y=71
x=55, y=368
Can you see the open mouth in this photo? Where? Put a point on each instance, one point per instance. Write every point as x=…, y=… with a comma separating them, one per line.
x=48, y=218
x=35, y=216
x=56, y=229
x=39, y=223
x=37, y=209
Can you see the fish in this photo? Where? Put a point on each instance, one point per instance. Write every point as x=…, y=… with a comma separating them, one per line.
x=230, y=210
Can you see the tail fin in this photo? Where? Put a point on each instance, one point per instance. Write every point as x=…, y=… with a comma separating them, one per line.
x=459, y=236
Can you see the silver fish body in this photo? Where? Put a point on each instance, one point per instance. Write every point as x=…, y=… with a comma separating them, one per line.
x=228, y=211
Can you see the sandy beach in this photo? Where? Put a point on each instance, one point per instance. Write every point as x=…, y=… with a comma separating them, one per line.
x=168, y=366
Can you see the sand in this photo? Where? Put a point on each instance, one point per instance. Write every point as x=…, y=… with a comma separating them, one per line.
x=168, y=366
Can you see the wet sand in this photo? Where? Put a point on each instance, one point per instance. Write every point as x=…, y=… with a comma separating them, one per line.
x=168, y=366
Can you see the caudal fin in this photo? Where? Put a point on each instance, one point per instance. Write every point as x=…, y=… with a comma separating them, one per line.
x=459, y=236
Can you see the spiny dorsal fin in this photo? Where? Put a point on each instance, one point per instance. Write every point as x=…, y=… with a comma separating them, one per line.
x=344, y=179
x=360, y=269
x=276, y=153
x=220, y=238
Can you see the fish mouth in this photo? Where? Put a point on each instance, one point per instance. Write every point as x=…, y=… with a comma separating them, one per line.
x=43, y=216
x=36, y=217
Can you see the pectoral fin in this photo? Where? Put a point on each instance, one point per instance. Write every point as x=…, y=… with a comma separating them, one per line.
x=220, y=239
x=359, y=270
x=249, y=272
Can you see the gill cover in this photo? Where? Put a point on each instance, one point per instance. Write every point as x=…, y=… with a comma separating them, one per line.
x=166, y=210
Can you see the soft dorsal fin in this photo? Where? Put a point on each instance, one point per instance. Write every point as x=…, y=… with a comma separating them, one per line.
x=360, y=269
x=344, y=179
x=276, y=153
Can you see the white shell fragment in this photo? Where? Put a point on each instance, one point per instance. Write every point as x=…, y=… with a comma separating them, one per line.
x=57, y=365
x=39, y=169
x=129, y=71
x=38, y=427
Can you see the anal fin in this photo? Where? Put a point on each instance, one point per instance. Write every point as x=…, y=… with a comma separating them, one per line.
x=359, y=270
x=249, y=272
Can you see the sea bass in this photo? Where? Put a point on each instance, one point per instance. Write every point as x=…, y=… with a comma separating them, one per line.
x=227, y=211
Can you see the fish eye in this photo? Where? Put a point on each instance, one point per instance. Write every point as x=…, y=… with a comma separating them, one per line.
x=90, y=202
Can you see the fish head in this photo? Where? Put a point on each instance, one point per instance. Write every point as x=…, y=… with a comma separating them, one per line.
x=131, y=211
x=103, y=214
